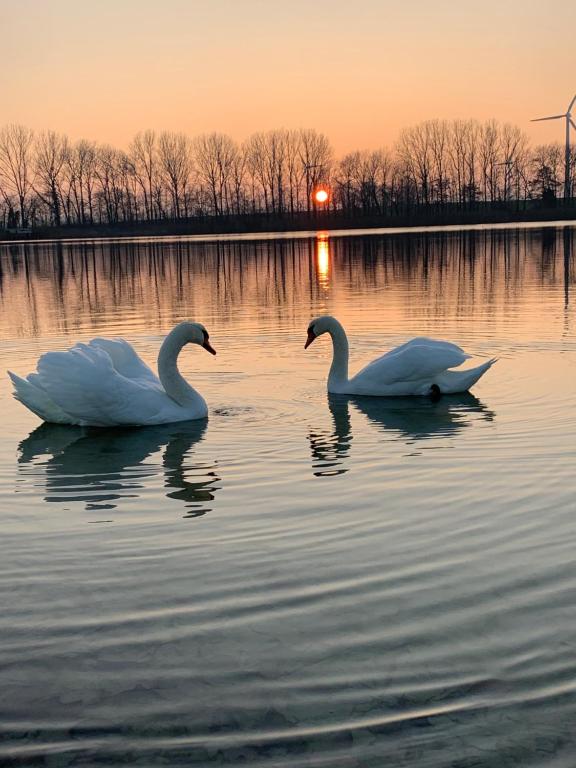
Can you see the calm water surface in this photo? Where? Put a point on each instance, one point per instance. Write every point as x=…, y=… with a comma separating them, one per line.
x=298, y=581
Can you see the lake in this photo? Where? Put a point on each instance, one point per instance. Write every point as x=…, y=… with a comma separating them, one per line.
x=299, y=580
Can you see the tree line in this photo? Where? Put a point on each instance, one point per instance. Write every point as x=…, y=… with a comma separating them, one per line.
x=47, y=179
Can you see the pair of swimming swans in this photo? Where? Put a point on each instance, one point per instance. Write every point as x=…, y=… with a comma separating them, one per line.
x=105, y=383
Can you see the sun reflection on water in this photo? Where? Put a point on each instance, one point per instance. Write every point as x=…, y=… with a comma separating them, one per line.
x=323, y=259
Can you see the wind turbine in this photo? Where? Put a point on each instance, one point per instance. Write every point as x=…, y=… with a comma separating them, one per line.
x=569, y=122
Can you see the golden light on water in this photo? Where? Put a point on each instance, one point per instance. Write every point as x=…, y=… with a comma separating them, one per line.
x=321, y=196
x=323, y=259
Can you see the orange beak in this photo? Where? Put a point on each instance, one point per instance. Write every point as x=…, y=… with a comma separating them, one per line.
x=310, y=339
x=208, y=347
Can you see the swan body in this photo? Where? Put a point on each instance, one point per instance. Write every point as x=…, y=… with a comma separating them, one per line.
x=104, y=383
x=420, y=367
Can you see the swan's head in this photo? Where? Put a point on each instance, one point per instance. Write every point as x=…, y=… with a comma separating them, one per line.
x=318, y=326
x=195, y=333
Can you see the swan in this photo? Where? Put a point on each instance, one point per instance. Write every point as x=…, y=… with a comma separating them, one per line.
x=419, y=367
x=104, y=383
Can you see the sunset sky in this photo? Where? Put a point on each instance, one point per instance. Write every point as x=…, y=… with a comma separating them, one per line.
x=358, y=71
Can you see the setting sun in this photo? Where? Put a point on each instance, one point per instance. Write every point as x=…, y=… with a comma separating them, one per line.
x=321, y=196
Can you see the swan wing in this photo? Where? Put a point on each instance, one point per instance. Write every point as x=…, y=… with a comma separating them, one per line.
x=424, y=341
x=84, y=382
x=420, y=358
x=33, y=396
x=126, y=360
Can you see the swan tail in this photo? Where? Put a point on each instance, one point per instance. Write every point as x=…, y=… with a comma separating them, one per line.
x=453, y=382
x=37, y=401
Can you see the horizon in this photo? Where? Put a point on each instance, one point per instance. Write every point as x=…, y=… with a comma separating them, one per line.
x=238, y=69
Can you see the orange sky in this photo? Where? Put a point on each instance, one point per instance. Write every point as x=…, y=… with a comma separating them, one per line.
x=358, y=71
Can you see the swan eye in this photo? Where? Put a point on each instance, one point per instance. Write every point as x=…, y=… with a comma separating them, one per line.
x=205, y=334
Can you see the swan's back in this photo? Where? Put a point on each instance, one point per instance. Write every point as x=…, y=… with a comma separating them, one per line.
x=418, y=359
x=126, y=360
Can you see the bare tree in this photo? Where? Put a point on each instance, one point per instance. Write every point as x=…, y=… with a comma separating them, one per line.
x=175, y=156
x=439, y=138
x=16, y=166
x=346, y=180
x=489, y=158
x=471, y=191
x=316, y=159
x=143, y=154
x=80, y=180
x=293, y=140
x=238, y=179
x=512, y=146
x=256, y=164
x=271, y=165
x=363, y=180
x=547, y=168
x=415, y=150
x=51, y=152
x=215, y=155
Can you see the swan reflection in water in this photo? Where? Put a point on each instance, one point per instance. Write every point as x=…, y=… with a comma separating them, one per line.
x=101, y=467
x=407, y=419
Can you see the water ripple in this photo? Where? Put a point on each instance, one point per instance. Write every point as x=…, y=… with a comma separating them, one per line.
x=300, y=580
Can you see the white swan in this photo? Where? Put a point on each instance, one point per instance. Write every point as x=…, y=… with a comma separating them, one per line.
x=104, y=384
x=419, y=367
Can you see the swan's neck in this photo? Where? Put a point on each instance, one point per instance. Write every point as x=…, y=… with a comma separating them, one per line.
x=172, y=380
x=339, y=369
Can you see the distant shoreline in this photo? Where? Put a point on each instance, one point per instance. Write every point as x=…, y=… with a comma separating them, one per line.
x=261, y=224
